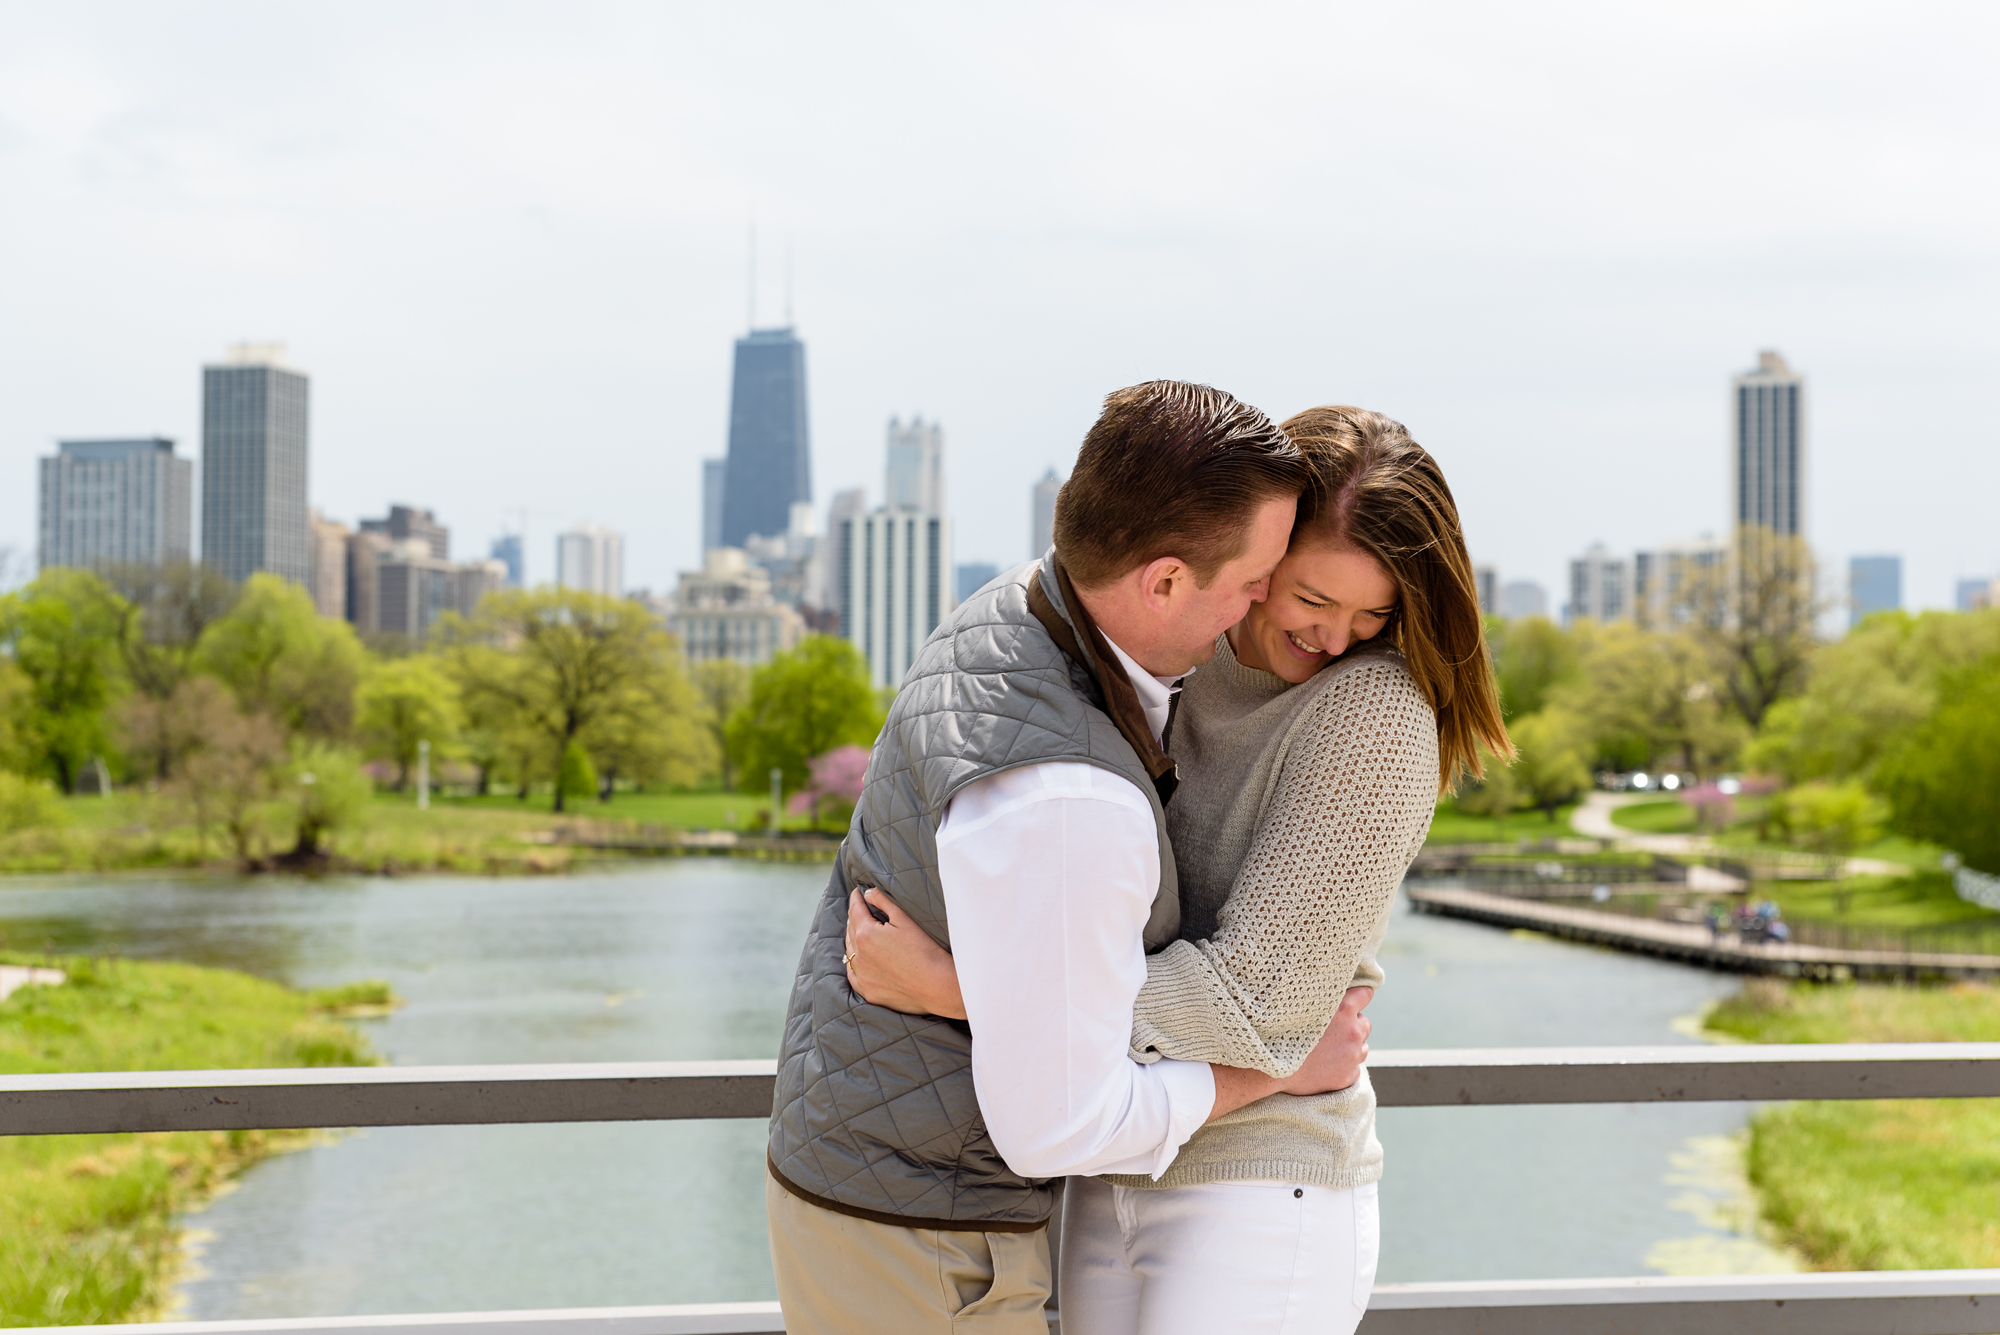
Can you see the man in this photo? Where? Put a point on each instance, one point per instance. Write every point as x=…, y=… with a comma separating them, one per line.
x=1014, y=807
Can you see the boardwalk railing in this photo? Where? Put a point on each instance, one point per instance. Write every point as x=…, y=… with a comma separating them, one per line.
x=1960, y=1302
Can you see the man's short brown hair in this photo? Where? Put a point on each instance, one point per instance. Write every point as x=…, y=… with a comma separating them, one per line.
x=1171, y=469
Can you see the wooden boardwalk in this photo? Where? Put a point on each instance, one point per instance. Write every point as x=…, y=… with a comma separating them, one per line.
x=1693, y=944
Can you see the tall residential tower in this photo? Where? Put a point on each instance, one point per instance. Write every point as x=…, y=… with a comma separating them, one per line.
x=109, y=502
x=253, y=465
x=1767, y=477
x=769, y=465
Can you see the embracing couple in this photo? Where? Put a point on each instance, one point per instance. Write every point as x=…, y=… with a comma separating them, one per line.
x=1104, y=917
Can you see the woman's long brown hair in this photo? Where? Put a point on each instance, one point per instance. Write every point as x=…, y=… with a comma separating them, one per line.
x=1377, y=491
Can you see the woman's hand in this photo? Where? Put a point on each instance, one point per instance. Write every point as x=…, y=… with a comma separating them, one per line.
x=1336, y=1062
x=895, y=964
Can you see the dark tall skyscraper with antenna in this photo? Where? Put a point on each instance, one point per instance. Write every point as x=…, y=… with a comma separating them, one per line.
x=769, y=467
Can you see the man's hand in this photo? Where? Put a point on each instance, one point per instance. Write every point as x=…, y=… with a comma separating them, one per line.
x=1334, y=1064
x=894, y=963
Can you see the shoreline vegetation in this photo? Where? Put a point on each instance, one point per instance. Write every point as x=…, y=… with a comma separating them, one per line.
x=91, y=1236
x=137, y=831
x=1892, y=1184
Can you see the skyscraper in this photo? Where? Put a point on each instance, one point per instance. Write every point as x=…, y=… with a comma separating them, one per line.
x=108, y=502
x=893, y=565
x=974, y=576
x=769, y=465
x=326, y=565
x=1042, y=525
x=1767, y=480
x=253, y=464
x=591, y=557
x=507, y=550
x=407, y=521
x=1600, y=588
x=914, y=476
x=713, y=472
x=1874, y=584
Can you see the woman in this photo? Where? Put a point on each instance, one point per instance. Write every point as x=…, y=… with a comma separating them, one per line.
x=1312, y=751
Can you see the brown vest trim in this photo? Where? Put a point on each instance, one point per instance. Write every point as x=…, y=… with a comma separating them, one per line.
x=1121, y=702
x=900, y=1221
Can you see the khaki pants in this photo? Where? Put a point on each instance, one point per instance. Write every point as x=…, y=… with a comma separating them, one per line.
x=838, y=1275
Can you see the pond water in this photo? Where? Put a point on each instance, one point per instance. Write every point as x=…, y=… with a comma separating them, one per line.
x=692, y=959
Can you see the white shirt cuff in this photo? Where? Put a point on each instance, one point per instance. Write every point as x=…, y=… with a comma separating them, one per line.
x=1190, y=1090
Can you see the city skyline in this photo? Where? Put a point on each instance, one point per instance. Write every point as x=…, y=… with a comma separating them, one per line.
x=1548, y=314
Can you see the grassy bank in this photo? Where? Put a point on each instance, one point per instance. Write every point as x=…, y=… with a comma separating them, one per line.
x=88, y=1236
x=1452, y=826
x=490, y=835
x=1908, y=1184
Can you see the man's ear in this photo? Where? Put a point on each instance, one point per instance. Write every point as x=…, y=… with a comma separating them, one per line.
x=1157, y=581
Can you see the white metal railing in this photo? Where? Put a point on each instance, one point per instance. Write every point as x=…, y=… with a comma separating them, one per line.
x=1955, y=1302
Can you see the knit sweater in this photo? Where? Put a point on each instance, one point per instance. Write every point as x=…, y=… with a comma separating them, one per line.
x=1298, y=812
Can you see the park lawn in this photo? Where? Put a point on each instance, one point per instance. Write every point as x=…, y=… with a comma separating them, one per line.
x=89, y=1234
x=1665, y=817
x=703, y=809
x=1889, y=848
x=1452, y=826
x=1905, y=1184
x=1920, y=899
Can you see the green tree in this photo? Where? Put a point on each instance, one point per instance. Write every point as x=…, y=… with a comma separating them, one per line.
x=230, y=776
x=1828, y=817
x=328, y=791
x=803, y=703
x=60, y=631
x=1943, y=780
x=1533, y=659
x=1867, y=691
x=576, y=776
x=1654, y=698
x=283, y=659
x=724, y=685
x=163, y=612
x=555, y=663
x=655, y=732
x=1554, y=767
x=1495, y=796
x=404, y=702
x=161, y=616
x=1757, y=615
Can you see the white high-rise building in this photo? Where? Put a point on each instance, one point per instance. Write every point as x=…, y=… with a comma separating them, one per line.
x=591, y=557
x=1600, y=587
x=894, y=567
x=1767, y=480
x=1042, y=523
x=914, y=476
x=1523, y=598
x=114, y=502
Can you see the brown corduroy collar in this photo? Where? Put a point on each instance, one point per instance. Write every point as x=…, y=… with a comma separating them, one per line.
x=1121, y=701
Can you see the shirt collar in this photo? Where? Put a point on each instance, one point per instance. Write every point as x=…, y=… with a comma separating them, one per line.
x=1156, y=694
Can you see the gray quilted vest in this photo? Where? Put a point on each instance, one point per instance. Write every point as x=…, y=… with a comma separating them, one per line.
x=875, y=1114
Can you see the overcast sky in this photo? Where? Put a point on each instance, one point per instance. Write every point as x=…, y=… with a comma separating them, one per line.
x=508, y=241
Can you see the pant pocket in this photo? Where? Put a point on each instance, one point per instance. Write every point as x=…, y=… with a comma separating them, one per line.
x=1018, y=1290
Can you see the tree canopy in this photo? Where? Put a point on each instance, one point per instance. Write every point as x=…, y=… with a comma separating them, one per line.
x=802, y=704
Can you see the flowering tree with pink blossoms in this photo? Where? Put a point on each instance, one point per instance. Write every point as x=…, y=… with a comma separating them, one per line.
x=834, y=788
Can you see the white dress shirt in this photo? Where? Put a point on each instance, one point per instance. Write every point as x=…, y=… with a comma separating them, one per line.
x=1049, y=873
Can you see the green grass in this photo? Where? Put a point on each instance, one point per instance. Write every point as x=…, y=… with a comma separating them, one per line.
x=1906, y=1184
x=711, y=809
x=1669, y=817
x=1452, y=826
x=1920, y=899
x=89, y=1236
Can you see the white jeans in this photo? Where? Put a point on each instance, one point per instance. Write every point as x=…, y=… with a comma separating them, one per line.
x=1224, y=1258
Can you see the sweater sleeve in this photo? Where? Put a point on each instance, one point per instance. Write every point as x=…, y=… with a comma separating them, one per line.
x=1346, y=813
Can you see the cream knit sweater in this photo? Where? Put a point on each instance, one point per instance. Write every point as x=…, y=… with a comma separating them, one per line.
x=1298, y=812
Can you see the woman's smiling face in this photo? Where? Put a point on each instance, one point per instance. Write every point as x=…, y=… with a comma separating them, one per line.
x=1323, y=599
